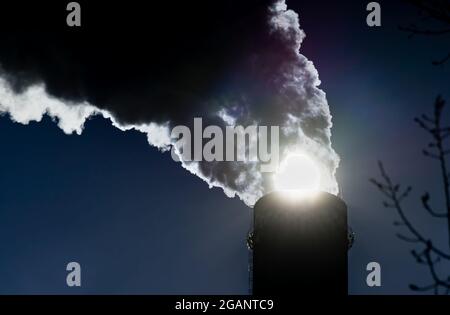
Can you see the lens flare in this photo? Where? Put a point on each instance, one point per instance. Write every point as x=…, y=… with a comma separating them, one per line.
x=298, y=174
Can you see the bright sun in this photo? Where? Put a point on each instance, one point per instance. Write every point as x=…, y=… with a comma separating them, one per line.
x=298, y=173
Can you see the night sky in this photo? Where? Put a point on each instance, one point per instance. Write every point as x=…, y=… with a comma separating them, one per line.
x=137, y=222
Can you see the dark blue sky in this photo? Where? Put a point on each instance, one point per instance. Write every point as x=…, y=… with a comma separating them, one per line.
x=139, y=223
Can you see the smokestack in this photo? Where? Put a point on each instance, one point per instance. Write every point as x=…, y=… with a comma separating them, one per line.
x=300, y=245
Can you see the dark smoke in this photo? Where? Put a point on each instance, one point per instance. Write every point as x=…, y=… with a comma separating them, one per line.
x=151, y=68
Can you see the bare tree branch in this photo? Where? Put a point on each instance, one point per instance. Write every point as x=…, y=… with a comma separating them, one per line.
x=425, y=202
x=429, y=255
x=407, y=239
x=394, y=199
x=435, y=12
x=441, y=61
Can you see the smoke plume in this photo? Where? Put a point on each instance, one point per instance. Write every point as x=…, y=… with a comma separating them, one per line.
x=225, y=61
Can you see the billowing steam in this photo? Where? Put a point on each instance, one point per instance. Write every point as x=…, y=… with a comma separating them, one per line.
x=253, y=73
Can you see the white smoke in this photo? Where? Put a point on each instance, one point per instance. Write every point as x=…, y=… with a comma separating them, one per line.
x=303, y=115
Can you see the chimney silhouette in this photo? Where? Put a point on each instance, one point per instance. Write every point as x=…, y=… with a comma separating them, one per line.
x=300, y=245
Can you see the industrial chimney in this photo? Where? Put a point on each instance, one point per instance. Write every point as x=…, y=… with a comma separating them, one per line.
x=300, y=245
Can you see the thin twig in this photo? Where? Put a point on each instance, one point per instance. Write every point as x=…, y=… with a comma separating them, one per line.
x=395, y=197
